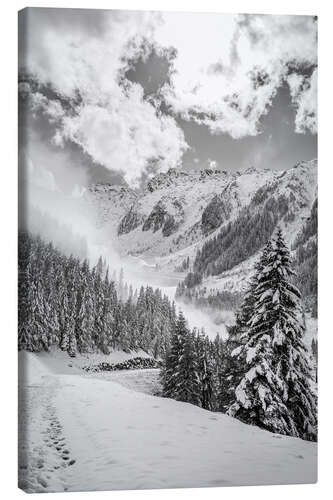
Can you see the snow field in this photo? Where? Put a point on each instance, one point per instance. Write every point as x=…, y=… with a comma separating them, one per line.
x=87, y=433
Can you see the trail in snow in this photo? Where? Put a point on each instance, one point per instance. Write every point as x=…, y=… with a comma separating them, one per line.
x=43, y=450
x=88, y=433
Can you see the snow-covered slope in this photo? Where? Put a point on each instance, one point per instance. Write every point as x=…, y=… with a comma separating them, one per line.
x=87, y=433
x=178, y=210
x=109, y=202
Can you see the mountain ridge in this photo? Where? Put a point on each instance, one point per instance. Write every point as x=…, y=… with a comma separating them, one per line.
x=179, y=210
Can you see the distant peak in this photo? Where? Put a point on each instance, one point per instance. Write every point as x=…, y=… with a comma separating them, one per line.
x=165, y=179
x=306, y=163
x=250, y=170
x=102, y=188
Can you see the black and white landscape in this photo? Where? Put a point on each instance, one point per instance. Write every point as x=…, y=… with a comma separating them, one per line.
x=167, y=250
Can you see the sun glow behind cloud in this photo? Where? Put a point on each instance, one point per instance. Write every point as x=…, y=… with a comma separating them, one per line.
x=229, y=68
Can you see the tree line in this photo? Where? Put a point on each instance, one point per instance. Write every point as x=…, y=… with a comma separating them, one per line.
x=210, y=299
x=306, y=260
x=66, y=303
x=241, y=238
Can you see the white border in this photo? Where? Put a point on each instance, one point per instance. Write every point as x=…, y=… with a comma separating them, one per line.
x=8, y=231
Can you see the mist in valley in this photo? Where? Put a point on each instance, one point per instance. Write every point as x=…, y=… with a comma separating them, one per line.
x=67, y=219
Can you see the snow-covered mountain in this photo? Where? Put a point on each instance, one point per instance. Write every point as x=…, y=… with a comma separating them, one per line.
x=179, y=211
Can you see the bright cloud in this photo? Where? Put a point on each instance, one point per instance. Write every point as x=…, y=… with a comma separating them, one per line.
x=126, y=134
x=113, y=124
x=229, y=68
x=304, y=96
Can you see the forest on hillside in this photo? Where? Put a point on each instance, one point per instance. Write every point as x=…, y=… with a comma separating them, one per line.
x=306, y=260
x=240, y=239
x=65, y=302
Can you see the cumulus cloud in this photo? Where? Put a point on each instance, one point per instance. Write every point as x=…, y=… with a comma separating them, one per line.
x=303, y=91
x=234, y=66
x=212, y=163
x=126, y=135
x=82, y=51
x=82, y=56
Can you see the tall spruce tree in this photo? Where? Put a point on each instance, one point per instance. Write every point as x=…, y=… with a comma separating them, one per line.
x=232, y=355
x=274, y=392
x=245, y=311
x=168, y=372
x=181, y=380
x=205, y=371
x=188, y=387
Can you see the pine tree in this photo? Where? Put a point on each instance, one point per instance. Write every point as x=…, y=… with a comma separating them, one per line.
x=85, y=321
x=121, y=285
x=170, y=366
x=292, y=364
x=181, y=380
x=187, y=378
x=25, y=319
x=64, y=319
x=99, y=266
x=72, y=345
x=274, y=392
x=246, y=309
x=232, y=355
x=52, y=305
x=205, y=371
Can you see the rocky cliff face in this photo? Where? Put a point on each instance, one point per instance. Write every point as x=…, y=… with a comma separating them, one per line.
x=129, y=222
x=167, y=218
x=215, y=214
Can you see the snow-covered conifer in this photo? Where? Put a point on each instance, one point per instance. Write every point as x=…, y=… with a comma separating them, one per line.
x=181, y=376
x=274, y=391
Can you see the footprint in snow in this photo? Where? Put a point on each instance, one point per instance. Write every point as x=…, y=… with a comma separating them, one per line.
x=112, y=462
x=219, y=481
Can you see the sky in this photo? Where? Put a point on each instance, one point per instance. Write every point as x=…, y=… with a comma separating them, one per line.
x=117, y=96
